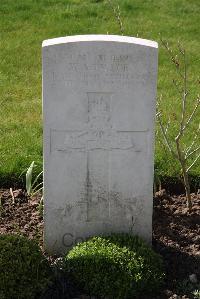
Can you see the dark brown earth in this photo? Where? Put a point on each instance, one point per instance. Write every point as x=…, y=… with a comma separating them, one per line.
x=176, y=236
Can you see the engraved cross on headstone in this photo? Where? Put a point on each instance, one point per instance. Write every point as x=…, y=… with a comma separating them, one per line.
x=99, y=135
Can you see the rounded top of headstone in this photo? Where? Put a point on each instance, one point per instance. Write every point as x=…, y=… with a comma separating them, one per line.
x=99, y=37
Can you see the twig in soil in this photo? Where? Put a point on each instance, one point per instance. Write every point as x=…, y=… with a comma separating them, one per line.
x=12, y=195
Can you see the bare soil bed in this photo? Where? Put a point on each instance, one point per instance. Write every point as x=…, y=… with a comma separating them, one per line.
x=176, y=236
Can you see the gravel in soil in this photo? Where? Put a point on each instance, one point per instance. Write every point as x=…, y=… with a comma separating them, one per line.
x=176, y=236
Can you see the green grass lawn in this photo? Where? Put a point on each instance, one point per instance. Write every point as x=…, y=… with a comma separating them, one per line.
x=24, y=24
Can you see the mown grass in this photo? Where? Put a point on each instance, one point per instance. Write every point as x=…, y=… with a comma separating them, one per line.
x=24, y=24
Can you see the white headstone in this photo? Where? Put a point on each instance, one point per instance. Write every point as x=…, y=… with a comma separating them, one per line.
x=99, y=107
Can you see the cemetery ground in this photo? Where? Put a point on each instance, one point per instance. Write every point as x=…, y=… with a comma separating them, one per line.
x=176, y=236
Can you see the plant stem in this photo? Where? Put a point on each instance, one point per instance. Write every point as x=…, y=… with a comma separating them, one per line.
x=187, y=190
x=182, y=161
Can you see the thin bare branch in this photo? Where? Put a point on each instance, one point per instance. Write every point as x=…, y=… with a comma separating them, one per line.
x=184, y=97
x=193, y=163
x=165, y=135
x=177, y=87
x=167, y=126
x=192, y=114
x=193, y=142
x=173, y=58
x=178, y=152
x=169, y=51
x=193, y=152
x=181, y=49
x=117, y=14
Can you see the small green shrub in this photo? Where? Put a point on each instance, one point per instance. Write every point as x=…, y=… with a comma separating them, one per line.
x=24, y=271
x=116, y=266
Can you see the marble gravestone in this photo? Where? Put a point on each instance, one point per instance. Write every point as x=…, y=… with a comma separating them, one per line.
x=99, y=111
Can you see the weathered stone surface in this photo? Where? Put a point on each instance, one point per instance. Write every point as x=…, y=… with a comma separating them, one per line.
x=99, y=108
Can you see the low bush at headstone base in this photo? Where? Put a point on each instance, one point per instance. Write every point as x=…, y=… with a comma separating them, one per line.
x=24, y=272
x=116, y=266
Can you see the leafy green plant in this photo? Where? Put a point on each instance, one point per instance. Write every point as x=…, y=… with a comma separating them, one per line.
x=32, y=185
x=24, y=272
x=41, y=206
x=116, y=266
x=196, y=294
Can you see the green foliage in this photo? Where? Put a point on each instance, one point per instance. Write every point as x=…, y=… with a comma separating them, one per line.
x=29, y=175
x=41, y=207
x=32, y=185
x=25, y=23
x=116, y=266
x=24, y=271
